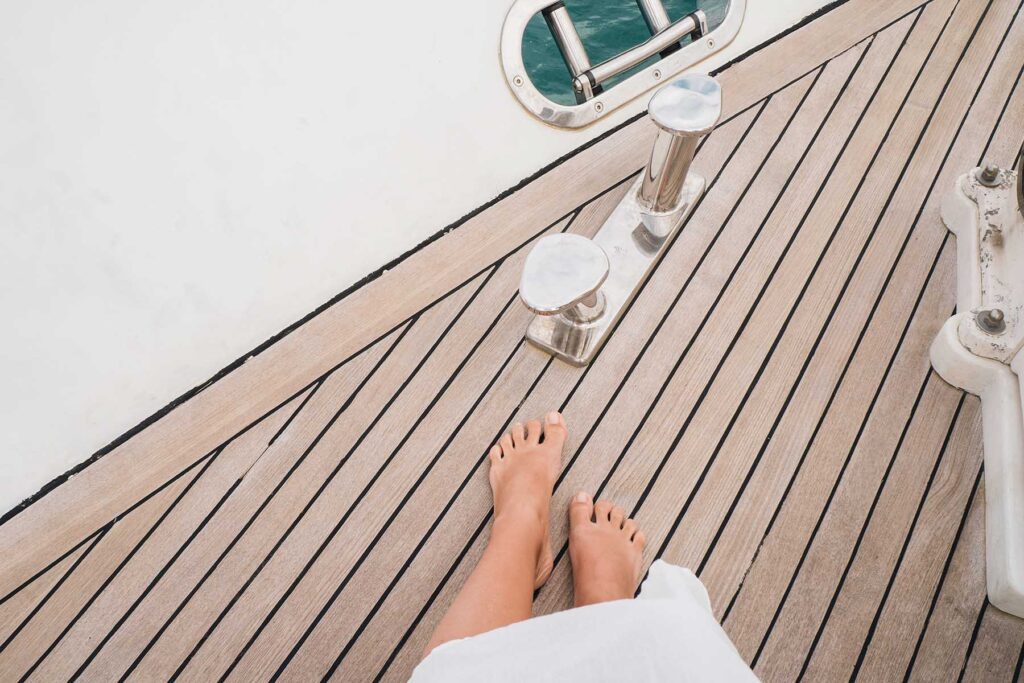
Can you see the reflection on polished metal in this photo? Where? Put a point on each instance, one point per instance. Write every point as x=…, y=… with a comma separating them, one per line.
x=602, y=103
x=570, y=46
x=579, y=288
x=684, y=110
x=694, y=25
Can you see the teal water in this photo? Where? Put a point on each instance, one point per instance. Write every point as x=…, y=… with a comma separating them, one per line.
x=607, y=27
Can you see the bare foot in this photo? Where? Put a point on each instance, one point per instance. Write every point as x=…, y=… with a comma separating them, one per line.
x=524, y=466
x=606, y=550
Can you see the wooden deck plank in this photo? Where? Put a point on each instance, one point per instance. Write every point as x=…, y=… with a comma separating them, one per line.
x=19, y=605
x=996, y=649
x=891, y=525
x=941, y=643
x=887, y=651
x=117, y=542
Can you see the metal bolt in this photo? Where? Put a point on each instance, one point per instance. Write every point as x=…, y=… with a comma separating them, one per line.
x=711, y=43
x=991, y=321
x=988, y=175
x=518, y=80
x=598, y=107
x=657, y=74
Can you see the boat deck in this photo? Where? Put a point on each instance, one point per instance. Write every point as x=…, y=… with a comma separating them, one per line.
x=765, y=409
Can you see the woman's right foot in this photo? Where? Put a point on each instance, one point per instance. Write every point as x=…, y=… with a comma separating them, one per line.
x=606, y=550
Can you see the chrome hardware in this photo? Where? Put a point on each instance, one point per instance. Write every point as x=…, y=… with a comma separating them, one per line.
x=563, y=275
x=579, y=287
x=571, y=48
x=988, y=175
x=991, y=321
x=694, y=25
x=587, y=79
x=683, y=111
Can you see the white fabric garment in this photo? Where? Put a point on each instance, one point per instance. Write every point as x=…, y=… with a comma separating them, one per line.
x=667, y=634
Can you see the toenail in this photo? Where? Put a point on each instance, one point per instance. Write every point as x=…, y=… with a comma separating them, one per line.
x=552, y=418
x=581, y=497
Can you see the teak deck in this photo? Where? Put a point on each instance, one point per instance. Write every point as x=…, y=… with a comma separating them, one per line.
x=766, y=408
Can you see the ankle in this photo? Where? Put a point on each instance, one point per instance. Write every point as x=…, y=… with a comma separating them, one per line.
x=594, y=592
x=523, y=528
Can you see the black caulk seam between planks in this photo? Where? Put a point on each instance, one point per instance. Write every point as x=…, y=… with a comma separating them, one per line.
x=138, y=600
x=366, y=552
x=53, y=589
x=974, y=638
x=85, y=607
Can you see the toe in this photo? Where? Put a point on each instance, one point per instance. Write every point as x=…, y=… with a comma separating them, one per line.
x=618, y=515
x=629, y=528
x=495, y=454
x=603, y=510
x=506, y=445
x=581, y=509
x=639, y=540
x=533, y=432
x=554, y=429
x=518, y=434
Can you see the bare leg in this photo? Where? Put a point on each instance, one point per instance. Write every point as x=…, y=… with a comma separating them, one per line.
x=517, y=560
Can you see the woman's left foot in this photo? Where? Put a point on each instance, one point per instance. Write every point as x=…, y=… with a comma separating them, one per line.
x=524, y=466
